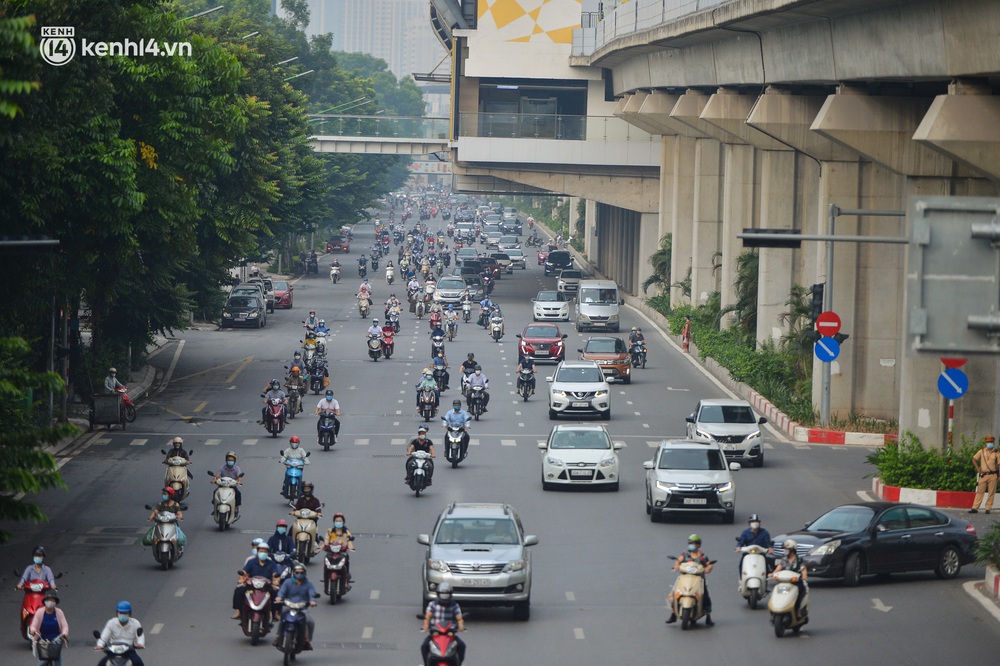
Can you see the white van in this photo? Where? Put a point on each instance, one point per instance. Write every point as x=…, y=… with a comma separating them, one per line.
x=598, y=305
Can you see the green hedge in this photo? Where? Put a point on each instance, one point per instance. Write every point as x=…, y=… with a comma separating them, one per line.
x=909, y=465
x=988, y=547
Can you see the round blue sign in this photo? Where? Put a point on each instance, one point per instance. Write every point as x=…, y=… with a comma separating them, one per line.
x=827, y=349
x=953, y=383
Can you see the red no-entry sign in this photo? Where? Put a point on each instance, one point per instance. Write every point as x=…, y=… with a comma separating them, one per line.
x=953, y=362
x=828, y=324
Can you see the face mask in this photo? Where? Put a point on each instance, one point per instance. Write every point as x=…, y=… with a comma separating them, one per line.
x=230, y=463
x=478, y=372
x=282, y=530
x=329, y=398
x=123, y=618
x=692, y=547
x=339, y=524
x=37, y=560
x=262, y=557
x=990, y=446
x=50, y=604
x=165, y=497
x=421, y=436
x=458, y=408
x=755, y=526
x=300, y=576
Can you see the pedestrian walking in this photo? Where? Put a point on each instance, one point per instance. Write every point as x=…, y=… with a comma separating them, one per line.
x=987, y=464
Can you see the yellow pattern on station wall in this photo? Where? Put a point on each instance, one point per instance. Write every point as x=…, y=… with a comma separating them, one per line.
x=549, y=21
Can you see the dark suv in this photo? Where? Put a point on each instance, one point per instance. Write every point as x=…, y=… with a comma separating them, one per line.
x=557, y=261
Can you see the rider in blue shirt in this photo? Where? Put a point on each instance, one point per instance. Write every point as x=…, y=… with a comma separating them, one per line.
x=458, y=417
x=299, y=590
x=755, y=535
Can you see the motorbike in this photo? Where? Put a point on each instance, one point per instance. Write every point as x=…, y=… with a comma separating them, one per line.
x=687, y=597
x=177, y=476
x=439, y=267
x=274, y=416
x=524, y=385
x=291, y=488
x=466, y=311
x=388, y=346
x=374, y=261
x=532, y=241
x=255, y=620
x=312, y=266
x=452, y=330
x=782, y=604
x=394, y=318
x=364, y=309
x=294, y=400
x=496, y=326
x=435, y=318
x=753, y=574
x=374, y=347
x=224, y=512
x=456, y=448
x=115, y=651
x=425, y=269
x=638, y=353
x=167, y=548
x=420, y=308
x=443, y=646
x=437, y=345
x=335, y=583
x=418, y=478
x=475, y=396
x=427, y=407
x=316, y=376
x=390, y=274
x=34, y=594
x=439, y=371
x=304, y=533
x=321, y=342
x=334, y=274
x=293, y=629
x=327, y=436
x=128, y=407
x=362, y=271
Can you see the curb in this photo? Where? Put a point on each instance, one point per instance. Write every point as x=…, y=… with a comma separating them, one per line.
x=952, y=499
x=991, y=582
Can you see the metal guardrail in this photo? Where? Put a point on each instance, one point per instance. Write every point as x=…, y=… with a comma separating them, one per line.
x=617, y=19
x=388, y=127
x=543, y=126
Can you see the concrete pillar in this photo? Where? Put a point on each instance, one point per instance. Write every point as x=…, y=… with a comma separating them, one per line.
x=591, y=239
x=706, y=217
x=739, y=211
x=777, y=211
x=668, y=146
x=648, y=239
x=964, y=125
x=682, y=214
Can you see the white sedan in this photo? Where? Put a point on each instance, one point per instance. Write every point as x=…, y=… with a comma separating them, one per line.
x=550, y=306
x=579, y=454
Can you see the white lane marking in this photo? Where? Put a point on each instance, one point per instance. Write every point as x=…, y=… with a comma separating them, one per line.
x=213, y=442
x=395, y=423
x=157, y=628
x=474, y=441
x=578, y=633
x=520, y=425
x=396, y=441
x=865, y=497
x=249, y=442
x=879, y=606
x=645, y=425
x=508, y=442
x=374, y=595
x=138, y=442
x=570, y=596
x=403, y=391
x=103, y=441
x=622, y=392
x=517, y=413
x=363, y=441
x=637, y=413
x=180, y=591
x=652, y=443
x=802, y=447
x=628, y=402
x=768, y=446
x=367, y=632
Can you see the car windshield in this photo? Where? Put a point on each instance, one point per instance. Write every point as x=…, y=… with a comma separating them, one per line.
x=242, y=302
x=548, y=296
x=541, y=332
x=602, y=296
x=570, y=274
x=514, y=252
x=451, y=283
x=603, y=346
x=501, y=257
x=476, y=530
x=579, y=439
x=698, y=459
x=726, y=414
x=280, y=286
x=580, y=374
x=843, y=519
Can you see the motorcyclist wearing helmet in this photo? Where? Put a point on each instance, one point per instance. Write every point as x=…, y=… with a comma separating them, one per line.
x=328, y=404
x=440, y=363
x=451, y=317
x=340, y=534
x=792, y=562
x=419, y=443
x=754, y=535
x=274, y=391
x=37, y=570
x=294, y=451
x=281, y=540
x=427, y=381
x=111, y=383
x=232, y=471
x=297, y=381
x=375, y=331
x=309, y=501
x=177, y=450
x=694, y=554
x=321, y=327
x=300, y=590
x=469, y=365
x=297, y=360
x=312, y=321
x=636, y=336
x=390, y=303
x=527, y=363
x=123, y=628
x=477, y=378
x=442, y=612
x=458, y=418
x=260, y=565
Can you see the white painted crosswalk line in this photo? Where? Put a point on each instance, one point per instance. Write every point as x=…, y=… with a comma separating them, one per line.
x=249, y=442
x=474, y=441
x=138, y=442
x=508, y=442
x=397, y=442
x=361, y=442
x=652, y=443
x=103, y=441
x=213, y=442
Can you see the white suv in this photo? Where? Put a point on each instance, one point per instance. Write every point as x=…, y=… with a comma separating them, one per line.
x=579, y=386
x=690, y=477
x=731, y=423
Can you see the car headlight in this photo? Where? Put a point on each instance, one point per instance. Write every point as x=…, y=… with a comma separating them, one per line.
x=826, y=548
x=554, y=461
x=702, y=433
x=723, y=487
x=227, y=314
x=754, y=435
x=559, y=394
x=608, y=462
x=514, y=565
x=438, y=565
x=253, y=314
x=600, y=394
x=613, y=318
x=664, y=485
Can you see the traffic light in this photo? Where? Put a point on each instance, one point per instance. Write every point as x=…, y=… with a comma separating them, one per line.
x=840, y=337
x=767, y=238
x=817, y=301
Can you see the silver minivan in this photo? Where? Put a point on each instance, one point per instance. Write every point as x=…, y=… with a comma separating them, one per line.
x=598, y=305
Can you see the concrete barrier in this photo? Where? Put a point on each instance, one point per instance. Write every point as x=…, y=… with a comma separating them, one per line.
x=953, y=499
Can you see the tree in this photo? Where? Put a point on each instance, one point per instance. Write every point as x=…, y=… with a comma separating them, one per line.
x=660, y=261
x=15, y=37
x=744, y=308
x=24, y=466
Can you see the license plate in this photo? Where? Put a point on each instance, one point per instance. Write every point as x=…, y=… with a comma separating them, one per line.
x=541, y=352
x=695, y=500
x=476, y=582
x=581, y=404
x=580, y=472
x=730, y=447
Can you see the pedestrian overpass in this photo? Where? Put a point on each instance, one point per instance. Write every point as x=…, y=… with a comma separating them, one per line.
x=378, y=134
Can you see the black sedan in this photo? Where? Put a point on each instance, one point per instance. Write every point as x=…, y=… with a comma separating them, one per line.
x=243, y=310
x=880, y=538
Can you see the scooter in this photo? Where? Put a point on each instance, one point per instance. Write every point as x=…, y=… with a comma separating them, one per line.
x=419, y=479
x=420, y=309
x=524, y=384
x=334, y=274
x=335, y=583
x=390, y=274
x=167, y=548
x=782, y=603
x=321, y=342
x=638, y=353
x=34, y=594
x=437, y=345
x=224, y=512
x=427, y=407
x=456, y=446
x=304, y=533
x=388, y=346
x=496, y=327
x=255, y=620
x=128, y=407
x=466, y=311
x=177, y=476
x=374, y=348
x=394, y=318
x=452, y=330
x=294, y=400
x=292, y=486
x=375, y=257
x=688, y=595
x=753, y=574
x=292, y=636
x=316, y=378
x=327, y=433
x=475, y=397
x=116, y=651
x=274, y=416
x=438, y=374
x=362, y=271
x=443, y=646
x=364, y=309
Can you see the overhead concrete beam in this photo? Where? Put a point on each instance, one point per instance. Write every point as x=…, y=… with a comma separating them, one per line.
x=965, y=127
x=657, y=107
x=788, y=118
x=630, y=112
x=688, y=111
x=881, y=129
x=728, y=110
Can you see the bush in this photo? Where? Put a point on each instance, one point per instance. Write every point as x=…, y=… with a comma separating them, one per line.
x=987, y=547
x=908, y=464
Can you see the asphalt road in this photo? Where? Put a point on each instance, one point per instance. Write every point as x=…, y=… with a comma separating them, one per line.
x=600, y=569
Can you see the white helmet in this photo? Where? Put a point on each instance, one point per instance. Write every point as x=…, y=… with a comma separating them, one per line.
x=789, y=545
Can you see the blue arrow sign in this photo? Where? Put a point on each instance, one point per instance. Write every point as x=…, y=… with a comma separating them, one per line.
x=953, y=383
x=827, y=349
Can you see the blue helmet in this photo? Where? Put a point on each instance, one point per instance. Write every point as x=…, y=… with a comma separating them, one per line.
x=124, y=607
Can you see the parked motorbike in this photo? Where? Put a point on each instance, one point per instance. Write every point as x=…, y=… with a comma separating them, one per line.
x=167, y=548
x=475, y=397
x=255, y=620
x=687, y=597
x=419, y=477
x=456, y=445
x=224, y=512
x=177, y=476
x=128, y=407
x=335, y=582
x=638, y=353
x=524, y=387
x=115, y=651
x=291, y=488
x=334, y=274
x=374, y=347
x=327, y=434
x=427, y=407
x=782, y=604
x=274, y=416
x=293, y=629
x=496, y=326
x=304, y=533
x=753, y=574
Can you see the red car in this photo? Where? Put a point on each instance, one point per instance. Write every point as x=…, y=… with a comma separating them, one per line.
x=543, y=254
x=542, y=342
x=282, y=295
x=342, y=244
